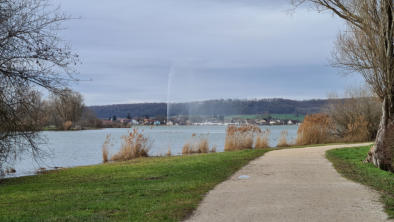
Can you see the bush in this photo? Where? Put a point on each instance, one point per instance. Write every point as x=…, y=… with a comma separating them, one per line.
x=356, y=118
x=357, y=130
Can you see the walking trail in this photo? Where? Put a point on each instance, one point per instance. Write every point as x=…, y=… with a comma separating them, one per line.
x=291, y=185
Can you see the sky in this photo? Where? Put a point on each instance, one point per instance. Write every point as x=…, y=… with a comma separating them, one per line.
x=186, y=50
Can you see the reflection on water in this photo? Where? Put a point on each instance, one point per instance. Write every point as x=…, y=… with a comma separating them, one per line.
x=80, y=148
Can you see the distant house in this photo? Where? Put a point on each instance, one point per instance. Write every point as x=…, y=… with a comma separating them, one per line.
x=124, y=120
x=261, y=122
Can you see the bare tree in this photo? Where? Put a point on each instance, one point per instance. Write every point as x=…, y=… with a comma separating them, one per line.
x=68, y=105
x=367, y=48
x=31, y=56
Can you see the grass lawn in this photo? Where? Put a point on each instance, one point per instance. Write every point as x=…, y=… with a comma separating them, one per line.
x=149, y=189
x=349, y=162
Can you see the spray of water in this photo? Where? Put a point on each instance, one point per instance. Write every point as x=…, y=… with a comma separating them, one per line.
x=169, y=86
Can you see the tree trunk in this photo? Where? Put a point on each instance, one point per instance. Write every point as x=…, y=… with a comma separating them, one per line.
x=381, y=154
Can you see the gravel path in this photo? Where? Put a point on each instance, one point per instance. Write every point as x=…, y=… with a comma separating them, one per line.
x=291, y=185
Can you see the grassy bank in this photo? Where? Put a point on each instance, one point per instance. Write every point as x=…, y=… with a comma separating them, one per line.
x=147, y=189
x=349, y=162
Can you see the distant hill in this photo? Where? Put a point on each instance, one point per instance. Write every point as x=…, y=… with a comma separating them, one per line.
x=212, y=108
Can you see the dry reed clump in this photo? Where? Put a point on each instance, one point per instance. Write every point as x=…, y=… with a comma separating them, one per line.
x=262, y=139
x=196, y=145
x=134, y=145
x=213, y=149
x=169, y=152
x=316, y=129
x=67, y=125
x=241, y=137
x=106, y=144
x=283, y=139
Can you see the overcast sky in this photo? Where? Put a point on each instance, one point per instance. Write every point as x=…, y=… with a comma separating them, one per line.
x=210, y=48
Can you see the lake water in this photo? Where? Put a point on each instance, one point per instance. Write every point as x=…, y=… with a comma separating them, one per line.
x=80, y=148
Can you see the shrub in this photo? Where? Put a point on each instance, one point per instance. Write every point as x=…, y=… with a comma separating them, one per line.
x=134, y=145
x=316, y=129
x=241, y=137
x=357, y=130
x=359, y=107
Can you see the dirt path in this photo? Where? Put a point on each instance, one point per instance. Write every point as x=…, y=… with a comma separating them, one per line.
x=291, y=185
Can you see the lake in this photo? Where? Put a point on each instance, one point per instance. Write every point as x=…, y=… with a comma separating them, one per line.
x=81, y=148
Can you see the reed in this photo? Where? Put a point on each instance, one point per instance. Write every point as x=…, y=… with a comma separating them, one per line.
x=105, y=151
x=213, y=149
x=316, y=129
x=262, y=139
x=283, y=139
x=134, y=145
x=67, y=125
x=197, y=144
x=240, y=137
x=169, y=152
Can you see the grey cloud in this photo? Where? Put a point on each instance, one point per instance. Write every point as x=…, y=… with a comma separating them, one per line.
x=130, y=46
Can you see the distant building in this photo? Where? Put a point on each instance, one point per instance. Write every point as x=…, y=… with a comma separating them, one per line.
x=261, y=122
x=124, y=120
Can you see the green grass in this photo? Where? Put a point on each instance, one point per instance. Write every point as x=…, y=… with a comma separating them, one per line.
x=349, y=162
x=149, y=189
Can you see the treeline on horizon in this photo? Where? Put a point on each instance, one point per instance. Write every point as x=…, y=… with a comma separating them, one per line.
x=212, y=108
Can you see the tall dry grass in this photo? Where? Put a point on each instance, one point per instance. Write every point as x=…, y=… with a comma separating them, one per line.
x=213, y=149
x=197, y=144
x=106, y=144
x=67, y=125
x=240, y=137
x=316, y=129
x=262, y=139
x=134, y=145
x=283, y=142
x=169, y=153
